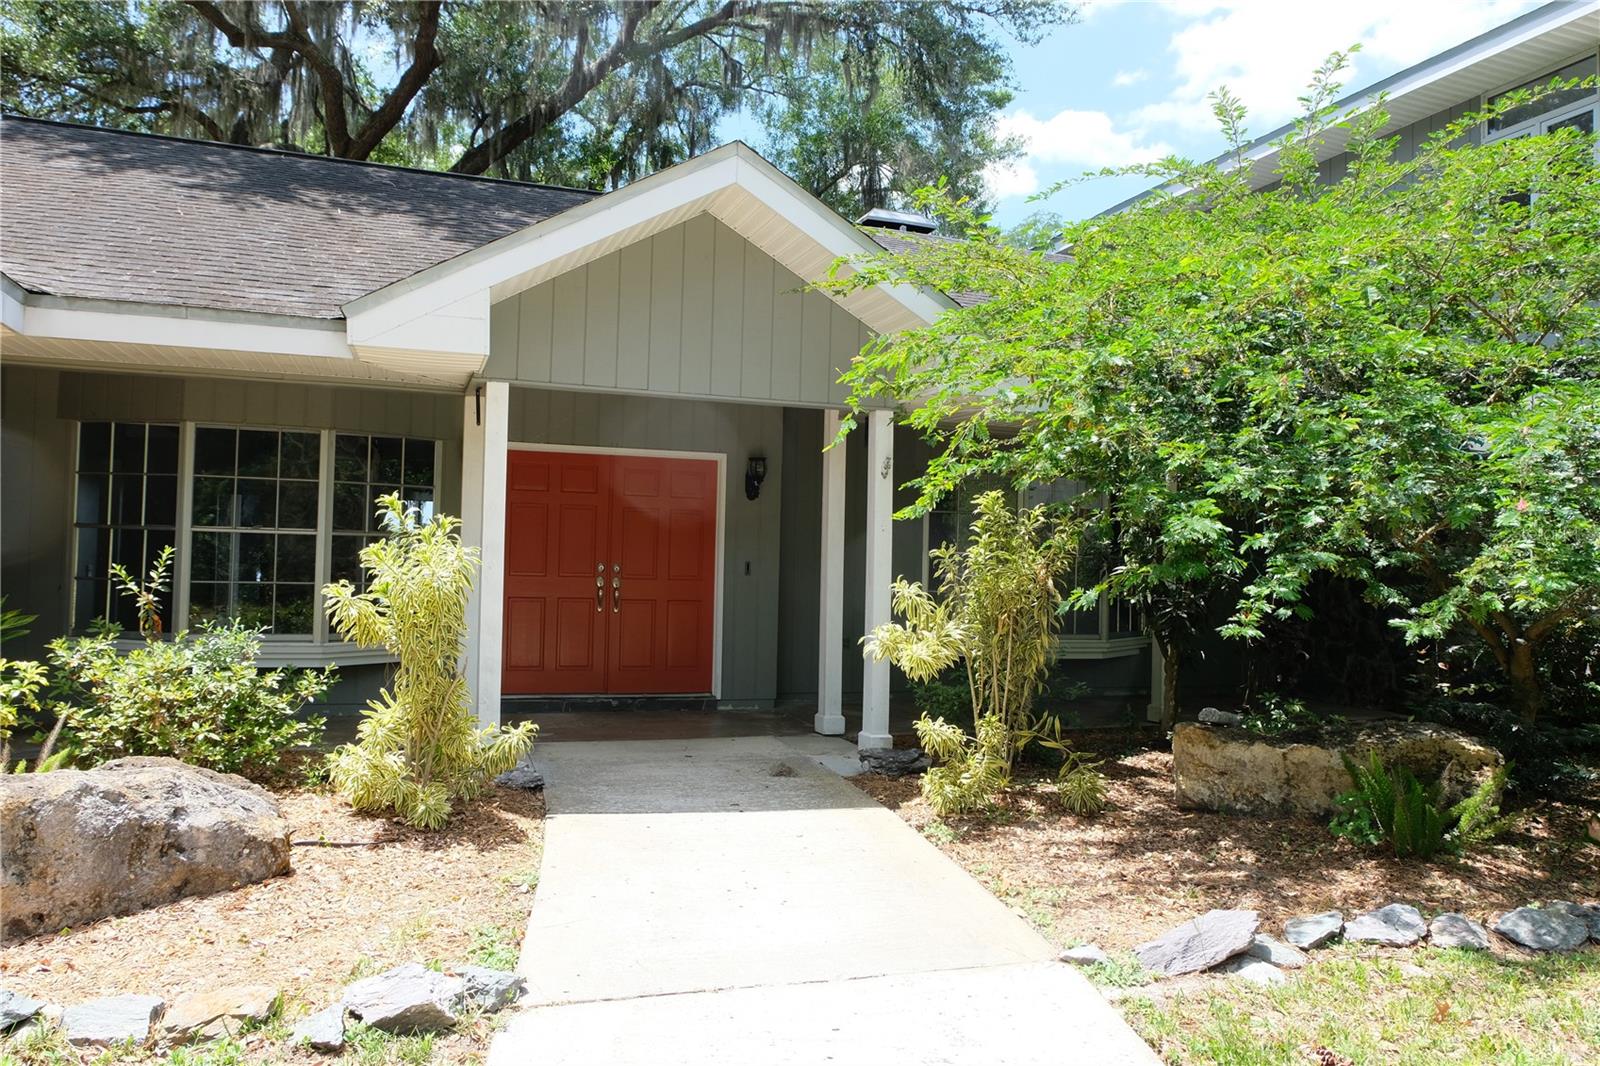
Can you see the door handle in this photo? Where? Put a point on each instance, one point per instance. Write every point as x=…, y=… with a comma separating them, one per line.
x=616, y=587
x=599, y=587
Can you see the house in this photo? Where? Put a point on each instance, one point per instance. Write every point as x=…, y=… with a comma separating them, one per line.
x=625, y=396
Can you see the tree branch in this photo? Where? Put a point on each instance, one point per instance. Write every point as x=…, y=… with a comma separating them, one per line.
x=425, y=59
x=334, y=120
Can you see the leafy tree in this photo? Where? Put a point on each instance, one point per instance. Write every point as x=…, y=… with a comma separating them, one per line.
x=1391, y=378
x=594, y=93
x=418, y=747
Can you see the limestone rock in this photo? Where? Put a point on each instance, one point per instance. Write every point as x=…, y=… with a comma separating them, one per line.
x=1221, y=768
x=1212, y=716
x=113, y=1020
x=524, y=777
x=16, y=1009
x=1271, y=949
x=1543, y=929
x=1084, y=955
x=322, y=1031
x=1256, y=971
x=894, y=762
x=78, y=845
x=1397, y=925
x=1594, y=829
x=1585, y=912
x=1313, y=930
x=406, y=999
x=489, y=990
x=217, y=1013
x=1199, y=944
x=1457, y=931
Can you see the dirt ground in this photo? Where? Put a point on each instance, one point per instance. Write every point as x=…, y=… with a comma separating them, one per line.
x=342, y=912
x=1145, y=866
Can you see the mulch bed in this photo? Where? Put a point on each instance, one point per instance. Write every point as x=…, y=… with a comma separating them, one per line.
x=413, y=896
x=1145, y=866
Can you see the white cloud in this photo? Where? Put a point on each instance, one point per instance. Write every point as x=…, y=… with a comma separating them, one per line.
x=1086, y=140
x=1005, y=180
x=1124, y=78
x=1265, y=50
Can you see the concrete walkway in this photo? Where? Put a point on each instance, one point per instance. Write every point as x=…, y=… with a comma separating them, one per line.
x=732, y=901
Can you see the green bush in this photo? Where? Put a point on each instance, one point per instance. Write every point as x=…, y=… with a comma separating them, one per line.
x=1391, y=805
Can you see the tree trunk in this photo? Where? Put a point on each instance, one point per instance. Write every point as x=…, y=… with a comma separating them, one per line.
x=1169, y=681
x=1527, y=697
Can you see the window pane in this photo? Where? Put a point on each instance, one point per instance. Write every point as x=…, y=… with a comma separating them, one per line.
x=163, y=450
x=293, y=613
x=213, y=451
x=92, y=495
x=127, y=500
x=210, y=556
x=302, y=455
x=297, y=558
x=386, y=464
x=258, y=502
x=1583, y=121
x=254, y=559
x=1582, y=68
x=94, y=554
x=161, y=500
x=94, y=446
x=213, y=501
x=89, y=605
x=422, y=500
x=258, y=453
x=297, y=505
x=124, y=612
x=254, y=605
x=350, y=506
x=207, y=603
x=375, y=521
x=345, y=564
x=349, y=458
x=419, y=462
x=127, y=548
x=127, y=447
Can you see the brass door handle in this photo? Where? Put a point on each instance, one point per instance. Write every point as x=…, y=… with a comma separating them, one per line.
x=600, y=587
x=616, y=588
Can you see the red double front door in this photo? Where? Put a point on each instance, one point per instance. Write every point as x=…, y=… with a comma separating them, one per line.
x=610, y=579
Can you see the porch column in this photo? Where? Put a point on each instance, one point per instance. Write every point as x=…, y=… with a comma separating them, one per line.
x=879, y=541
x=1156, y=710
x=485, y=428
x=830, y=629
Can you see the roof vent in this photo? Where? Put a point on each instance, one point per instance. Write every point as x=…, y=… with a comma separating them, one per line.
x=904, y=221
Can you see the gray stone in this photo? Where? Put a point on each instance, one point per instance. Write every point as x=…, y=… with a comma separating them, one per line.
x=1585, y=912
x=1543, y=929
x=1222, y=768
x=16, y=1008
x=894, y=762
x=322, y=1031
x=1313, y=930
x=1271, y=949
x=217, y=1013
x=1256, y=971
x=1457, y=931
x=113, y=1020
x=1199, y=944
x=1397, y=925
x=78, y=845
x=1084, y=955
x=1212, y=716
x=407, y=999
x=524, y=777
x=489, y=990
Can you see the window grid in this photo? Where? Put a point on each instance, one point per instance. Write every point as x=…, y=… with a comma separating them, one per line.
x=125, y=499
x=366, y=466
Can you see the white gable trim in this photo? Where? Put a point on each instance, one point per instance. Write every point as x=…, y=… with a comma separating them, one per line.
x=442, y=313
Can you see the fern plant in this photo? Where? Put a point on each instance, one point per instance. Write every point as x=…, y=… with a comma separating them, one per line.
x=418, y=747
x=1392, y=805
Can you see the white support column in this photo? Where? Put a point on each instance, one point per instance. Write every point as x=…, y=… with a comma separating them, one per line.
x=830, y=629
x=879, y=543
x=485, y=428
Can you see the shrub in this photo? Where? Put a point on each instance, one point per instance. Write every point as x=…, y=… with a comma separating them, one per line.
x=418, y=745
x=1272, y=715
x=1391, y=805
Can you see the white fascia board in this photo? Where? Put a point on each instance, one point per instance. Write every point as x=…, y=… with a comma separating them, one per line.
x=65, y=318
x=11, y=304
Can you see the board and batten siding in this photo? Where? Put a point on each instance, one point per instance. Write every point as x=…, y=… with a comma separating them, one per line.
x=694, y=311
x=753, y=531
x=1409, y=139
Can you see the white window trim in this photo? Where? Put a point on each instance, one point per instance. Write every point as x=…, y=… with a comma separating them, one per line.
x=1522, y=129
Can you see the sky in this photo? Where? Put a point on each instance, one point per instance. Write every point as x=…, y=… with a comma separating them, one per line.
x=1129, y=81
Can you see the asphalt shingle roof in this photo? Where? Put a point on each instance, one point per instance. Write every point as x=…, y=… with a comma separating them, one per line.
x=121, y=216
x=899, y=241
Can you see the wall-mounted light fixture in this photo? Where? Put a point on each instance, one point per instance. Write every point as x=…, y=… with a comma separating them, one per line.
x=755, y=472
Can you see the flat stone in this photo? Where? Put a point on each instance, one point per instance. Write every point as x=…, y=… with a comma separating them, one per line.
x=112, y=1020
x=524, y=777
x=407, y=999
x=1457, y=931
x=1313, y=930
x=1199, y=944
x=16, y=1008
x=1271, y=949
x=1543, y=929
x=1256, y=971
x=1397, y=925
x=894, y=762
x=1585, y=912
x=1212, y=716
x=489, y=990
x=217, y=1013
x=1084, y=955
x=322, y=1031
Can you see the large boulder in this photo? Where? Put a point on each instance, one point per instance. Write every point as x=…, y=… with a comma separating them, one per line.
x=78, y=845
x=1218, y=768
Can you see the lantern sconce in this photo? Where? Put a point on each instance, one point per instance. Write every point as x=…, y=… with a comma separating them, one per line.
x=755, y=472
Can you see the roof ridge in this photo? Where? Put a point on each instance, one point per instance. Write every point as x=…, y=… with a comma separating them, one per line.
x=11, y=116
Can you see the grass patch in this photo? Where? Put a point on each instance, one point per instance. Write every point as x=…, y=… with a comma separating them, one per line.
x=494, y=946
x=1121, y=970
x=1446, y=1006
x=374, y=1047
